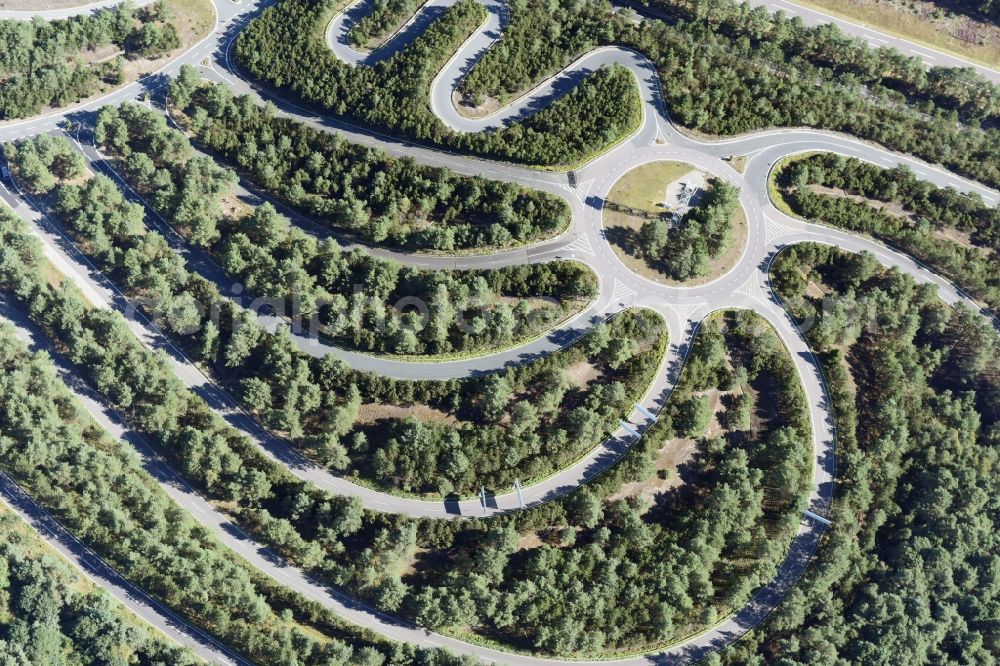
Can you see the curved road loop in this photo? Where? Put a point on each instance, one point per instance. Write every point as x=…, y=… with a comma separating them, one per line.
x=745, y=285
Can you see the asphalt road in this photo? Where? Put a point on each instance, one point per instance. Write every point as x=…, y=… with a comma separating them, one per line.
x=66, y=12
x=746, y=285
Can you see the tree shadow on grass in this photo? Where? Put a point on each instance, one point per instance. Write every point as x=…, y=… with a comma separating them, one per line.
x=627, y=240
x=623, y=238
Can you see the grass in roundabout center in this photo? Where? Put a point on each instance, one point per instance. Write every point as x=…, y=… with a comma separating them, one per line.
x=671, y=249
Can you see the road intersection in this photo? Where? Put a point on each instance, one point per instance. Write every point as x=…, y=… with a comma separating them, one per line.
x=746, y=285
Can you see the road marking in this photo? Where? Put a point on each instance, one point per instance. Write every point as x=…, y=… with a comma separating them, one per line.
x=621, y=291
x=773, y=230
x=818, y=518
x=686, y=311
x=582, y=244
x=629, y=429
x=752, y=289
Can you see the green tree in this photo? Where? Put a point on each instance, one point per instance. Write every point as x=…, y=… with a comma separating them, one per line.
x=694, y=415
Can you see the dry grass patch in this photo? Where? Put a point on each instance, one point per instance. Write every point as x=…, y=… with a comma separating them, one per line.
x=715, y=428
x=581, y=374
x=738, y=162
x=674, y=453
x=52, y=275
x=952, y=235
x=529, y=541
x=234, y=208
x=371, y=413
x=100, y=55
x=645, y=187
x=466, y=108
x=814, y=291
x=889, y=207
x=895, y=208
x=922, y=22
x=194, y=19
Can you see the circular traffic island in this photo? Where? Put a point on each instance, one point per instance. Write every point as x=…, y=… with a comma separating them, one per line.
x=673, y=223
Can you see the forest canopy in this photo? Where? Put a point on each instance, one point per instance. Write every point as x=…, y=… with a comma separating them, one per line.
x=357, y=422
x=350, y=297
x=673, y=557
x=361, y=190
x=957, y=234
x=53, y=63
x=916, y=396
x=51, y=614
x=100, y=491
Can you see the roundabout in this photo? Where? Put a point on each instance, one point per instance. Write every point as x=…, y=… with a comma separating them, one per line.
x=645, y=220
x=741, y=280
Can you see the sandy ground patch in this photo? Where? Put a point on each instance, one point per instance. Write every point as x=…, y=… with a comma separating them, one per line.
x=962, y=238
x=675, y=453
x=581, y=374
x=465, y=107
x=813, y=290
x=529, y=541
